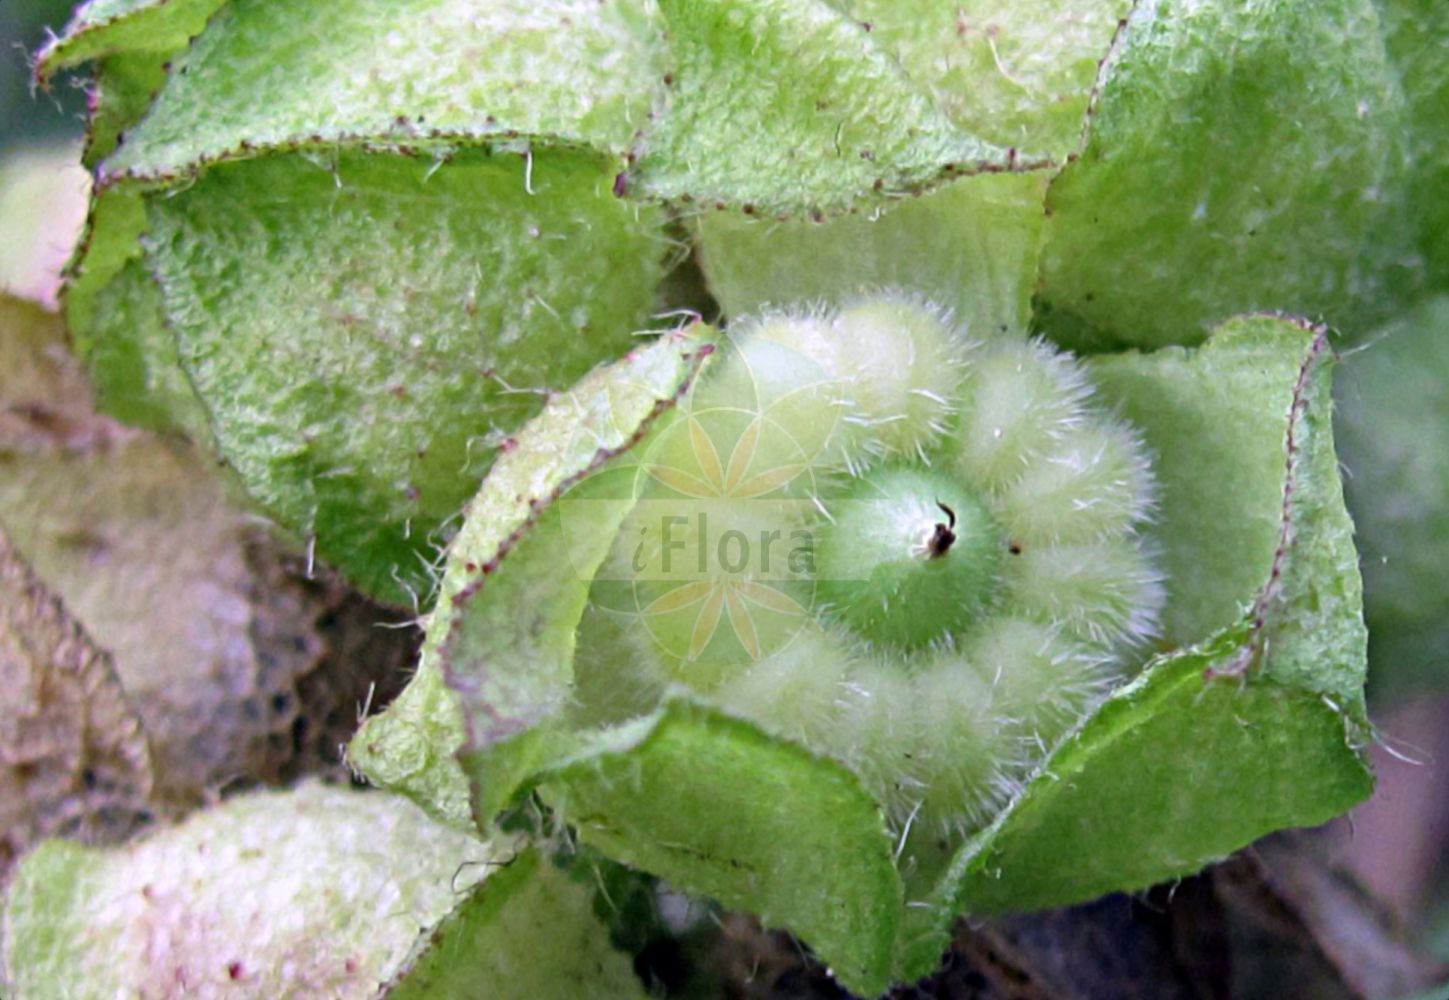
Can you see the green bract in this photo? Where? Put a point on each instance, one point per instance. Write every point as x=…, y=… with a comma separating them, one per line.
x=723, y=781
x=1034, y=626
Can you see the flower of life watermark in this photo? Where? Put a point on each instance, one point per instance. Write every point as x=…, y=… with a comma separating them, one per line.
x=714, y=559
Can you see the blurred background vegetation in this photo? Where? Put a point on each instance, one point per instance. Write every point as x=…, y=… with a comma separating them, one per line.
x=27, y=116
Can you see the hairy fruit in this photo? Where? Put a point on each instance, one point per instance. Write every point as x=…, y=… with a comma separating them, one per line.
x=901, y=545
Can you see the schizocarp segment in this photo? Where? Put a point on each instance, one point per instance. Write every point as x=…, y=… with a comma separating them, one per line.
x=907, y=547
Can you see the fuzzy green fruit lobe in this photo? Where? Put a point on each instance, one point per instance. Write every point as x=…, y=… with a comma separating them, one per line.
x=910, y=556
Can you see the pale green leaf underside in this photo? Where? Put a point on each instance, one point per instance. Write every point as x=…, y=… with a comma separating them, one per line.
x=364, y=333
x=1016, y=74
x=789, y=107
x=352, y=882
x=970, y=245
x=362, y=893
x=267, y=76
x=411, y=746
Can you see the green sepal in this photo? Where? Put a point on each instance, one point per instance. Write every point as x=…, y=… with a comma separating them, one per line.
x=787, y=107
x=970, y=245
x=508, y=652
x=678, y=791
x=131, y=355
x=267, y=76
x=1250, y=503
x=1251, y=726
x=364, y=333
x=411, y=746
x=123, y=88
x=1174, y=772
x=105, y=27
x=1016, y=74
x=131, y=43
x=529, y=933
x=112, y=304
x=1202, y=193
x=720, y=809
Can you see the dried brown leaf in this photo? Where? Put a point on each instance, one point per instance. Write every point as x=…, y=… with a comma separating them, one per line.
x=73, y=755
x=215, y=633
